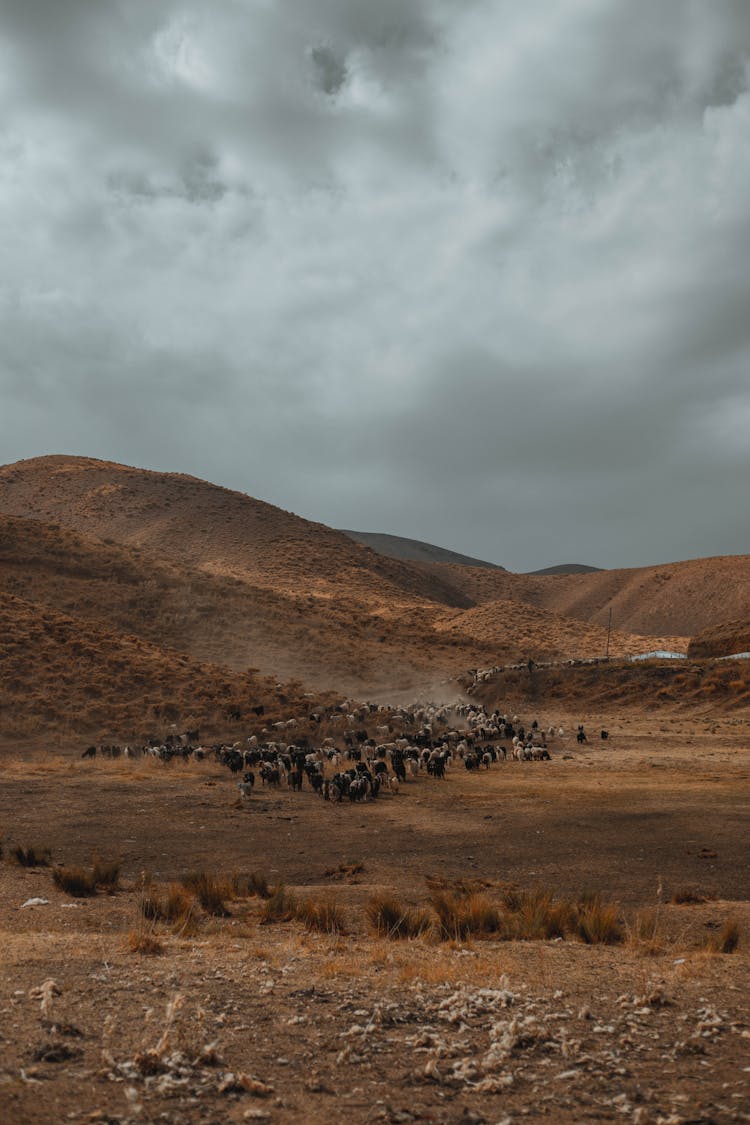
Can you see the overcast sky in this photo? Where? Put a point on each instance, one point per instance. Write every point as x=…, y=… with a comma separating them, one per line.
x=470, y=271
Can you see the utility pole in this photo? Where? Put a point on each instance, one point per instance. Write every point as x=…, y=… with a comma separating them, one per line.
x=609, y=630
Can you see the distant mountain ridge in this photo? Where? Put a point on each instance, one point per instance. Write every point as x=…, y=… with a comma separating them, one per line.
x=414, y=550
x=567, y=568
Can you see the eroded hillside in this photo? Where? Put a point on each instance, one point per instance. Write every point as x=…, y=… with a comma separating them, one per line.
x=677, y=599
x=224, y=580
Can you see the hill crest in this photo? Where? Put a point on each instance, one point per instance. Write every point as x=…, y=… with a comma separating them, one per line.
x=414, y=550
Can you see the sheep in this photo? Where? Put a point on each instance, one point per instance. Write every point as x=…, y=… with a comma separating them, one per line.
x=270, y=775
x=246, y=785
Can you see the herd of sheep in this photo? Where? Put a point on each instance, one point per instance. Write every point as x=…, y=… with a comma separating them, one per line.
x=371, y=748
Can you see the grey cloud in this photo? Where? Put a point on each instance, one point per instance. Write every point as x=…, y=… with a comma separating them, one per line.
x=469, y=272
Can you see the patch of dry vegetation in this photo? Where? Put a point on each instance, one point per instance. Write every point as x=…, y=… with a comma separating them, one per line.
x=70, y=678
x=325, y=916
x=669, y=684
x=210, y=892
x=173, y=905
x=31, y=857
x=75, y=881
x=280, y=906
x=727, y=939
x=388, y=917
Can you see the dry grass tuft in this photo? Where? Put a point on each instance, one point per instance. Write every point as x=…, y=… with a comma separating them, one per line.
x=388, y=917
x=281, y=906
x=75, y=881
x=533, y=915
x=258, y=885
x=144, y=942
x=688, y=896
x=727, y=939
x=254, y=885
x=106, y=875
x=462, y=916
x=31, y=857
x=209, y=891
x=325, y=916
x=538, y=917
x=175, y=906
x=646, y=933
x=598, y=922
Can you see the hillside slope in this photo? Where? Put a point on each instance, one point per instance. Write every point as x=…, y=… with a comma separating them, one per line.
x=226, y=579
x=725, y=639
x=544, y=635
x=676, y=599
x=66, y=678
x=205, y=527
x=329, y=643
x=707, y=688
x=414, y=550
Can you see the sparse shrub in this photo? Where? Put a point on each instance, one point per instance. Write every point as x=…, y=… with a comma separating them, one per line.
x=75, y=881
x=175, y=906
x=348, y=871
x=460, y=916
x=258, y=885
x=688, y=896
x=389, y=918
x=150, y=905
x=512, y=897
x=727, y=939
x=144, y=942
x=209, y=892
x=32, y=857
x=599, y=923
x=646, y=933
x=254, y=885
x=106, y=875
x=539, y=917
x=281, y=906
x=325, y=916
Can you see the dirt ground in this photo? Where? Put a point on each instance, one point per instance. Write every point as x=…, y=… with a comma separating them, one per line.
x=238, y=1020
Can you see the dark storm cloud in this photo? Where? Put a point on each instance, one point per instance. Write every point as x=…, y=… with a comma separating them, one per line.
x=468, y=272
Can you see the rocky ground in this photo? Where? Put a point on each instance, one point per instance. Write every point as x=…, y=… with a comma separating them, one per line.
x=231, y=1019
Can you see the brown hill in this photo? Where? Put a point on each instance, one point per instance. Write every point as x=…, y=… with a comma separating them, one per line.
x=330, y=643
x=397, y=547
x=721, y=640
x=65, y=679
x=677, y=599
x=205, y=527
x=543, y=635
x=228, y=580
x=566, y=568
x=342, y=643
x=709, y=687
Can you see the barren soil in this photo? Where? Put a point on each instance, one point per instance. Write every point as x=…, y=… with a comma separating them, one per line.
x=274, y=1023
